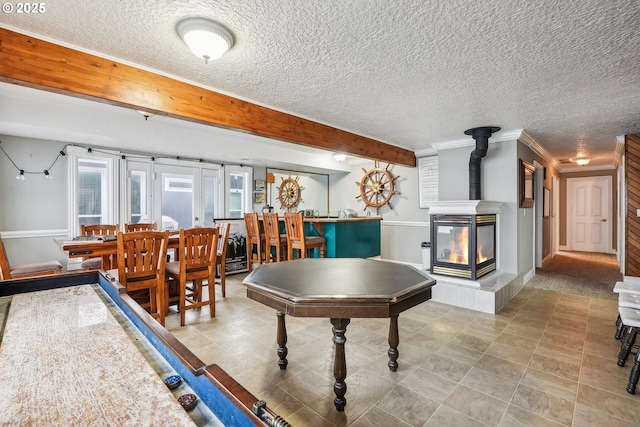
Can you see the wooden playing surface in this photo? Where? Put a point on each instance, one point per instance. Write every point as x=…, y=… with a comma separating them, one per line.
x=65, y=360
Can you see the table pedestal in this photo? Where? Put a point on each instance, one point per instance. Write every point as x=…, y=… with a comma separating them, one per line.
x=339, y=362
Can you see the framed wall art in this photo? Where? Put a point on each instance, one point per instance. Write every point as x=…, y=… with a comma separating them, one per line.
x=526, y=184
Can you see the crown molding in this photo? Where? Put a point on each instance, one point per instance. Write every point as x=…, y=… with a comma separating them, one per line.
x=436, y=147
x=535, y=146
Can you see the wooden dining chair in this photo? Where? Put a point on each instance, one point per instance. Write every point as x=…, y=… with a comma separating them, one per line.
x=94, y=263
x=296, y=238
x=142, y=257
x=273, y=238
x=254, y=237
x=197, y=261
x=223, y=244
x=140, y=226
x=8, y=271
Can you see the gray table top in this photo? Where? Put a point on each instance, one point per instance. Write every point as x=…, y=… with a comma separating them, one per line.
x=339, y=278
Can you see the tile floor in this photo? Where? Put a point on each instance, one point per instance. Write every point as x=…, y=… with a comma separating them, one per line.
x=547, y=359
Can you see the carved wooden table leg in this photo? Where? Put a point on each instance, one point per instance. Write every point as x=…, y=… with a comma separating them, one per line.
x=339, y=363
x=282, y=341
x=394, y=340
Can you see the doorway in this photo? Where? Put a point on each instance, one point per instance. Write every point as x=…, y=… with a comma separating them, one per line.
x=589, y=214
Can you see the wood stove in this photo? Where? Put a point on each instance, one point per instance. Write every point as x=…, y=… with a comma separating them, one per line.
x=463, y=245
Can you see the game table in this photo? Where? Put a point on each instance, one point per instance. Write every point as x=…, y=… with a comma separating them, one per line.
x=65, y=361
x=340, y=289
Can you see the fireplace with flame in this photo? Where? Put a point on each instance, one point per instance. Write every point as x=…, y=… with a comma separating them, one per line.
x=463, y=245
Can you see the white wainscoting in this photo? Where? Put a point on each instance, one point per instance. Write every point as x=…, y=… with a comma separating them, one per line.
x=27, y=246
x=400, y=240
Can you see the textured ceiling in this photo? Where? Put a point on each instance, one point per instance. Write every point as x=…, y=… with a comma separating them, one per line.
x=407, y=72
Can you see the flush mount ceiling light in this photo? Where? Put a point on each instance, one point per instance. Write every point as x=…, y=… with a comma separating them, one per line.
x=581, y=160
x=206, y=39
x=340, y=157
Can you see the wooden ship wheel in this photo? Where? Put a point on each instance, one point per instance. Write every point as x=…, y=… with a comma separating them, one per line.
x=289, y=192
x=377, y=187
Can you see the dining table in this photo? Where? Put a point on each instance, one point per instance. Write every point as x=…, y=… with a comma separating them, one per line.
x=105, y=249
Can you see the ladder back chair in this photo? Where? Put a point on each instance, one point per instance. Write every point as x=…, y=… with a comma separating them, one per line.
x=141, y=226
x=106, y=262
x=8, y=271
x=296, y=239
x=142, y=258
x=223, y=244
x=254, y=237
x=273, y=238
x=197, y=252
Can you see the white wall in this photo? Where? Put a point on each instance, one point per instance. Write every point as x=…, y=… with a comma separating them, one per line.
x=404, y=226
x=36, y=206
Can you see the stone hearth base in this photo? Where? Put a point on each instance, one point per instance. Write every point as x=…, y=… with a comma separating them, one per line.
x=489, y=296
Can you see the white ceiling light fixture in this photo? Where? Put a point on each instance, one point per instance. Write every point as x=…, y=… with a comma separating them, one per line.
x=581, y=160
x=206, y=39
x=339, y=157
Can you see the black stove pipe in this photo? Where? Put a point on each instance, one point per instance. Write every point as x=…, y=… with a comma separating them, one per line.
x=481, y=135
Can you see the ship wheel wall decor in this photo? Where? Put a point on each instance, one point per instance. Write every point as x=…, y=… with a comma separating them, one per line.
x=377, y=187
x=289, y=192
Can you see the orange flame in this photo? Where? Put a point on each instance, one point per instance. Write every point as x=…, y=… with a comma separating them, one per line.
x=460, y=247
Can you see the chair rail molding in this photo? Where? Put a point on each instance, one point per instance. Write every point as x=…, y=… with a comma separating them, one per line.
x=25, y=234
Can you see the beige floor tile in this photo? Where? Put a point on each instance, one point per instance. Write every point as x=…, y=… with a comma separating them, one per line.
x=489, y=383
x=445, y=416
x=429, y=384
x=411, y=407
x=585, y=416
x=510, y=353
x=376, y=417
x=555, y=366
x=476, y=405
x=518, y=417
x=544, y=404
x=501, y=367
x=561, y=387
x=625, y=408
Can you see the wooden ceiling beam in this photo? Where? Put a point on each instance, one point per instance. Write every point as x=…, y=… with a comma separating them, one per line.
x=31, y=62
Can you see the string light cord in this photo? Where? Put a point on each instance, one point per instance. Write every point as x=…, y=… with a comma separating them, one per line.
x=123, y=156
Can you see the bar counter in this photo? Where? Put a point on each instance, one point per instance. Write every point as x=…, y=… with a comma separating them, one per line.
x=347, y=237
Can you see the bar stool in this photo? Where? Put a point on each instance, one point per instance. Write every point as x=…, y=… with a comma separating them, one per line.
x=296, y=238
x=197, y=251
x=272, y=236
x=142, y=256
x=254, y=237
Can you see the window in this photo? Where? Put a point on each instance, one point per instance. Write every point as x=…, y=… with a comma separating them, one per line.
x=138, y=193
x=92, y=194
x=239, y=180
x=108, y=188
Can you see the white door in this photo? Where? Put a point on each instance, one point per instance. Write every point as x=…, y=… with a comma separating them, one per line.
x=589, y=214
x=176, y=207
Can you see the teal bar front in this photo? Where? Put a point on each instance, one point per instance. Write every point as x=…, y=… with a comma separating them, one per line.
x=346, y=237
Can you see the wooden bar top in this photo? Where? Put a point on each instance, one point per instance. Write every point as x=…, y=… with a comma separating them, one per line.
x=356, y=219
